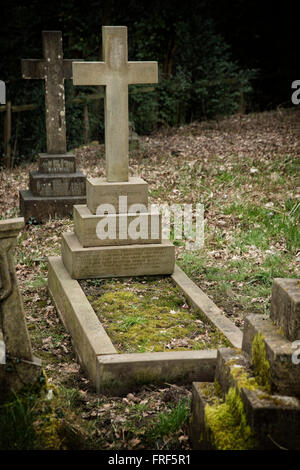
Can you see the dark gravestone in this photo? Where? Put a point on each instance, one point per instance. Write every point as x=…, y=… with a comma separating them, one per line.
x=56, y=186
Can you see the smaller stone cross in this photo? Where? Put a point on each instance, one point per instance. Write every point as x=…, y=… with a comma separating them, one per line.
x=115, y=73
x=54, y=70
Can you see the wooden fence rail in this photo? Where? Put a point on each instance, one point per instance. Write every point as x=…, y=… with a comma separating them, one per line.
x=8, y=108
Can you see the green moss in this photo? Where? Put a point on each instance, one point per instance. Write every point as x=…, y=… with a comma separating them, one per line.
x=48, y=432
x=242, y=378
x=29, y=419
x=260, y=362
x=226, y=424
x=271, y=398
x=145, y=315
x=281, y=332
x=211, y=391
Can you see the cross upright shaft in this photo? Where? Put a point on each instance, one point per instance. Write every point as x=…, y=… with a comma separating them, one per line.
x=115, y=73
x=54, y=70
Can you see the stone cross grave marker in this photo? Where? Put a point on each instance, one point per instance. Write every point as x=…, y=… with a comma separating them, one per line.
x=115, y=73
x=57, y=185
x=54, y=70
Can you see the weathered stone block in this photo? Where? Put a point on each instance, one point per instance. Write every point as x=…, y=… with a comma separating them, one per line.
x=16, y=374
x=284, y=372
x=61, y=163
x=197, y=429
x=275, y=419
x=99, y=191
x=57, y=185
x=42, y=208
x=114, y=261
x=269, y=415
x=285, y=306
x=91, y=229
x=232, y=367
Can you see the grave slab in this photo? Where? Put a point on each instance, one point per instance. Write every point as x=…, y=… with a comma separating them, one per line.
x=100, y=191
x=122, y=227
x=285, y=306
x=114, y=261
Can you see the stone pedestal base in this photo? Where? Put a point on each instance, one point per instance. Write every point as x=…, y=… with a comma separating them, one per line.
x=16, y=373
x=53, y=189
x=41, y=208
x=99, y=191
x=116, y=261
x=57, y=185
x=115, y=229
x=285, y=307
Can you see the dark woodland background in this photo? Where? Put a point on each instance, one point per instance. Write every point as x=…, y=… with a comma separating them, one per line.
x=216, y=57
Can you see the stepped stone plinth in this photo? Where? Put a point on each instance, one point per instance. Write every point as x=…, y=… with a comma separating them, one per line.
x=115, y=233
x=284, y=372
x=285, y=307
x=87, y=228
x=123, y=195
x=53, y=189
x=256, y=389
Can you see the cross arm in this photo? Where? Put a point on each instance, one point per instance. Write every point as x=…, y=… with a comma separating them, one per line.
x=33, y=68
x=142, y=72
x=67, y=67
x=89, y=73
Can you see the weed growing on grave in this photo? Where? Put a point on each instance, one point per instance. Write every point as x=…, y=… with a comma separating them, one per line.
x=168, y=423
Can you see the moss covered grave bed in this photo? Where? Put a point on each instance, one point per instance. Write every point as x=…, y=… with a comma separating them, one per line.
x=149, y=314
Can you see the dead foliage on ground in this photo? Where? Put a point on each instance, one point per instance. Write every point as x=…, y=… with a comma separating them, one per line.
x=200, y=162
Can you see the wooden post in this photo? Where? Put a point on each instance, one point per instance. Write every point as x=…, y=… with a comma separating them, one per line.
x=7, y=136
x=86, y=124
x=242, y=102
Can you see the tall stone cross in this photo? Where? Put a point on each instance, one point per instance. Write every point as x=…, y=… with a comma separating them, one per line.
x=54, y=70
x=115, y=73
